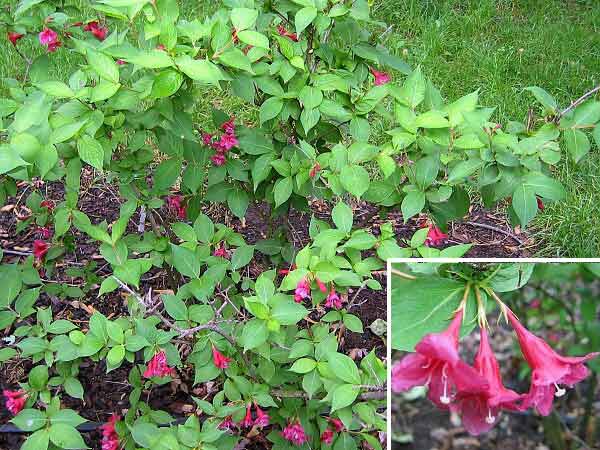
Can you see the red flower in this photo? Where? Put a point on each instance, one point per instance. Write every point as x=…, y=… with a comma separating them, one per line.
x=549, y=369
x=262, y=418
x=286, y=271
x=221, y=252
x=99, y=31
x=314, y=170
x=283, y=32
x=294, y=433
x=175, y=202
x=40, y=248
x=327, y=436
x=158, y=366
x=333, y=300
x=247, y=422
x=120, y=62
x=338, y=425
x=540, y=204
x=226, y=143
x=45, y=232
x=480, y=410
x=435, y=236
x=161, y=47
x=110, y=438
x=321, y=285
x=14, y=37
x=380, y=77
x=15, y=400
x=302, y=290
x=436, y=364
x=49, y=38
x=220, y=360
x=49, y=204
x=218, y=159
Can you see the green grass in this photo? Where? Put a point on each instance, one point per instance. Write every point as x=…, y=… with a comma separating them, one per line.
x=498, y=47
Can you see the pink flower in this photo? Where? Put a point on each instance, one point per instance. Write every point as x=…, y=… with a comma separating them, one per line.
x=435, y=236
x=221, y=252
x=54, y=46
x=120, y=62
x=436, y=364
x=229, y=127
x=14, y=37
x=380, y=77
x=218, y=159
x=40, y=248
x=294, y=433
x=302, y=290
x=220, y=360
x=262, y=418
x=227, y=424
x=110, y=438
x=97, y=30
x=480, y=410
x=321, y=285
x=158, y=366
x=283, y=32
x=207, y=139
x=15, y=400
x=333, y=300
x=47, y=36
x=549, y=369
x=327, y=436
x=175, y=202
x=226, y=143
x=338, y=425
x=247, y=422
x=535, y=303
x=48, y=204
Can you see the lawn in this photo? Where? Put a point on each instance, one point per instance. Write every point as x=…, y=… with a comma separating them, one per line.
x=497, y=47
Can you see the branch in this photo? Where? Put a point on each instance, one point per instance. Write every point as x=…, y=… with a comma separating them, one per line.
x=499, y=230
x=576, y=103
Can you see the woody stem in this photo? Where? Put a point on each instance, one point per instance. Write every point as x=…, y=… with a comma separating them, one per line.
x=402, y=274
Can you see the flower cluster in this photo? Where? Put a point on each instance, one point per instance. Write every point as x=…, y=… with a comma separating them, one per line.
x=336, y=427
x=99, y=31
x=221, y=251
x=262, y=420
x=175, y=203
x=302, y=292
x=477, y=392
x=226, y=142
x=15, y=400
x=380, y=77
x=14, y=37
x=110, y=438
x=40, y=248
x=435, y=236
x=294, y=433
x=158, y=366
x=49, y=38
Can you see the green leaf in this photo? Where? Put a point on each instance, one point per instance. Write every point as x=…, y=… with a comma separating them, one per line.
x=166, y=83
x=235, y=58
x=254, y=38
x=353, y=323
x=9, y=159
x=237, y=200
x=355, y=179
x=304, y=18
x=413, y=89
x=283, y=190
x=37, y=441
x=311, y=383
x=56, y=89
x=577, y=142
x=29, y=420
x=432, y=119
x=345, y=441
x=412, y=204
x=73, y=387
x=243, y=18
x=288, y=312
x=310, y=97
x=524, y=203
x=166, y=174
x=270, y=109
x=200, y=70
x=185, y=261
x=90, y=151
x=342, y=217
x=115, y=355
x=423, y=306
x=544, y=98
x=254, y=334
x=545, y=187
x=344, y=368
x=103, y=65
x=175, y=307
x=303, y=365
x=242, y=256
x=344, y=395
x=587, y=115
x=66, y=437
x=464, y=169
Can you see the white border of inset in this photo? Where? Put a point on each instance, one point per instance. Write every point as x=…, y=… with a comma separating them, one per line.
x=388, y=284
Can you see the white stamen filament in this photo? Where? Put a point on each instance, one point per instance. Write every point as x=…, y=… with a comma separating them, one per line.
x=490, y=419
x=444, y=398
x=559, y=391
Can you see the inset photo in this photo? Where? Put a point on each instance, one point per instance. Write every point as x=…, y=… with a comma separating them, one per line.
x=490, y=355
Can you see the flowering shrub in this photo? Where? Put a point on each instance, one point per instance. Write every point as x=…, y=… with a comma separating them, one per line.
x=460, y=297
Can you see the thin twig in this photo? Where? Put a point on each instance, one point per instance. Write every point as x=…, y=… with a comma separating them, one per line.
x=402, y=274
x=499, y=230
x=576, y=103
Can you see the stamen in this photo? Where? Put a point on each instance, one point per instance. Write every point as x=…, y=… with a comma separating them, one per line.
x=444, y=398
x=559, y=391
x=490, y=419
